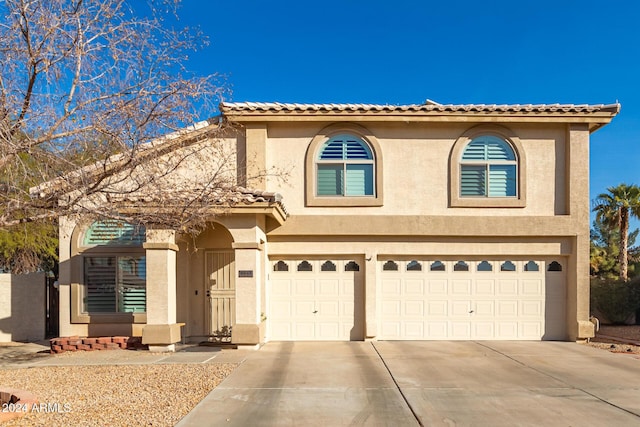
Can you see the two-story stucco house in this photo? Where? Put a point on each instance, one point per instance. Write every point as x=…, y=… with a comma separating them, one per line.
x=413, y=222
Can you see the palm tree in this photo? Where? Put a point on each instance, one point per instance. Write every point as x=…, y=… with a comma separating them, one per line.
x=614, y=209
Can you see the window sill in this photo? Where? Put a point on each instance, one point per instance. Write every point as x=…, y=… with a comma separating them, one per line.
x=344, y=201
x=487, y=202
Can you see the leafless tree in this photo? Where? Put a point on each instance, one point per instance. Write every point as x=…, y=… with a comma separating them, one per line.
x=87, y=91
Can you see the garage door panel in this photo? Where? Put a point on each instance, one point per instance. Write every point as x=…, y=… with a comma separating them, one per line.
x=304, y=329
x=304, y=287
x=460, y=330
x=507, y=330
x=281, y=287
x=303, y=308
x=460, y=308
x=437, y=308
x=391, y=287
x=485, y=308
x=507, y=287
x=483, y=330
x=391, y=329
x=507, y=308
x=414, y=330
x=330, y=288
x=532, y=287
x=414, y=287
x=461, y=287
x=438, y=330
x=438, y=287
x=531, y=308
x=391, y=308
x=414, y=308
x=484, y=287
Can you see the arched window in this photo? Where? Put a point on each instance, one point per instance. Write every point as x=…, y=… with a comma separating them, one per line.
x=280, y=266
x=414, y=266
x=114, y=281
x=531, y=266
x=437, y=266
x=508, y=266
x=351, y=266
x=488, y=168
x=390, y=266
x=461, y=266
x=485, y=266
x=328, y=266
x=305, y=266
x=345, y=167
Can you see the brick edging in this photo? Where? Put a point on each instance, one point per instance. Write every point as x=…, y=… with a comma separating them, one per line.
x=75, y=343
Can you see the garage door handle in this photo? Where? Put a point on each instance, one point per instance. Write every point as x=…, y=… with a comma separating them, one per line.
x=315, y=311
x=471, y=312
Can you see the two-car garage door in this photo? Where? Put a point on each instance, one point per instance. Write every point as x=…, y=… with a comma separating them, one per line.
x=418, y=299
x=434, y=299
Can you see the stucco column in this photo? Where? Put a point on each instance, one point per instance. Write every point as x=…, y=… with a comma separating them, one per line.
x=577, y=155
x=161, y=331
x=249, y=328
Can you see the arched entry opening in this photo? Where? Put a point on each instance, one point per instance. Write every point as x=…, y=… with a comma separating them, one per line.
x=216, y=262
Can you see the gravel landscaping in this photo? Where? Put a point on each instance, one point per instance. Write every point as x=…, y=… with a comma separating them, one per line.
x=618, y=339
x=130, y=395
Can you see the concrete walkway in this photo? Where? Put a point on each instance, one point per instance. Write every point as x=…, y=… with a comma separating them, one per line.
x=426, y=383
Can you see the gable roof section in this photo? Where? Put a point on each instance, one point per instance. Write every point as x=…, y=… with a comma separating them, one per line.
x=595, y=115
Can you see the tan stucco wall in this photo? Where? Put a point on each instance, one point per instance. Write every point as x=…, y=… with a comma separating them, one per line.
x=416, y=168
x=22, y=307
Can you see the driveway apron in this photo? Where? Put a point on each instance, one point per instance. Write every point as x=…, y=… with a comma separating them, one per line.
x=306, y=383
x=515, y=383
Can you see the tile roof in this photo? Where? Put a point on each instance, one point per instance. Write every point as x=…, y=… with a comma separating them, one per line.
x=428, y=107
x=226, y=197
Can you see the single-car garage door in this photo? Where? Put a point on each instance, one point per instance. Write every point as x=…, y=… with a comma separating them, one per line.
x=430, y=299
x=316, y=300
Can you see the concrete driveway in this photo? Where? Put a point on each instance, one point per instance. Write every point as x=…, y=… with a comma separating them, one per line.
x=431, y=383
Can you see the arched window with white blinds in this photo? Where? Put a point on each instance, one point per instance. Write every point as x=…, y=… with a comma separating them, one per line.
x=488, y=168
x=345, y=167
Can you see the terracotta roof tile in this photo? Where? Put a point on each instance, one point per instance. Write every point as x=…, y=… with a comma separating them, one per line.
x=430, y=106
x=222, y=197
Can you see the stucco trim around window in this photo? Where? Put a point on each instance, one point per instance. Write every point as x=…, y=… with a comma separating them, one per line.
x=311, y=197
x=76, y=264
x=456, y=201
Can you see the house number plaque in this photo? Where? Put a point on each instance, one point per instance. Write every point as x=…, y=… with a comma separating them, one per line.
x=245, y=273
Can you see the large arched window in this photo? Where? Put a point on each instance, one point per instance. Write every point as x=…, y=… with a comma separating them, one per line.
x=488, y=168
x=345, y=167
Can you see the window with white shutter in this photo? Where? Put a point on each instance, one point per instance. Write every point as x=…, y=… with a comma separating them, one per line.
x=115, y=280
x=345, y=167
x=488, y=168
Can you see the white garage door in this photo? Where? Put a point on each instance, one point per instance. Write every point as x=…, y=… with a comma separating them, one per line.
x=432, y=299
x=316, y=300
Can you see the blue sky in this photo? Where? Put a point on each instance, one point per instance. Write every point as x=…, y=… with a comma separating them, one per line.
x=455, y=51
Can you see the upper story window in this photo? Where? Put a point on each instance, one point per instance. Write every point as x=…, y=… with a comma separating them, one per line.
x=345, y=167
x=488, y=168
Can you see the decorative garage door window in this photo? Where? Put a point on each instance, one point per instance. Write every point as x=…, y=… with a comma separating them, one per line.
x=488, y=168
x=114, y=282
x=345, y=167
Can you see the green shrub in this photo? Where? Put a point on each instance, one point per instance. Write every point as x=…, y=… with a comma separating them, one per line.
x=616, y=300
